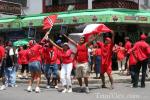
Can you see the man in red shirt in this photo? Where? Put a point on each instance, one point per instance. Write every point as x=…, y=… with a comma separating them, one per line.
x=107, y=48
x=2, y=55
x=127, y=47
x=142, y=52
x=50, y=56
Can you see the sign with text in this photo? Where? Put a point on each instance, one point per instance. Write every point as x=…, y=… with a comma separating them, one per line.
x=10, y=8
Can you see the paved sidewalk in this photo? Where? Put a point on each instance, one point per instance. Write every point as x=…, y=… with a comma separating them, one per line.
x=117, y=76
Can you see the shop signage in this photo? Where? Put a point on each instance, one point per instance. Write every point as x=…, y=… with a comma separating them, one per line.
x=59, y=20
x=136, y=18
x=10, y=8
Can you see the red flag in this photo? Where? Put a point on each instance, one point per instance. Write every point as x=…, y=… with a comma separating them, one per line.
x=92, y=29
x=49, y=21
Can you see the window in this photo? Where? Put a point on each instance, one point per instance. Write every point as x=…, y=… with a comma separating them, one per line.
x=22, y=2
x=66, y=1
x=146, y=2
x=48, y=2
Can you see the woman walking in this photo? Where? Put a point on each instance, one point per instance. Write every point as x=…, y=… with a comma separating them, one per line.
x=34, y=57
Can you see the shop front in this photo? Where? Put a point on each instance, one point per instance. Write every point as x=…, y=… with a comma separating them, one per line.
x=124, y=22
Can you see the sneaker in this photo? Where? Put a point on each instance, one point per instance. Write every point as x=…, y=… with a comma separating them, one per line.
x=14, y=85
x=3, y=87
x=48, y=86
x=111, y=87
x=29, y=89
x=69, y=90
x=81, y=90
x=37, y=89
x=20, y=76
x=87, y=90
x=56, y=87
x=64, y=90
x=103, y=86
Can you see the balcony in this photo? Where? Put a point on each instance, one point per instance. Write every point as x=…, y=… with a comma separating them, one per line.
x=96, y=5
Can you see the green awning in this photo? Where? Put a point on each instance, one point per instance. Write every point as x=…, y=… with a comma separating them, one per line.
x=10, y=23
x=82, y=16
x=92, y=16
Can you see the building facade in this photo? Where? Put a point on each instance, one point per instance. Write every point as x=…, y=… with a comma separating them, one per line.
x=63, y=5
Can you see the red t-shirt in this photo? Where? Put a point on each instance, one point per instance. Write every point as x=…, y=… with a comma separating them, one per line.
x=98, y=52
x=34, y=53
x=82, y=53
x=23, y=57
x=128, y=45
x=132, y=57
x=141, y=49
x=50, y=55
x=106, y=53
x=120, y=53
x=66, y=57
x=2, y=52
x=58, y=56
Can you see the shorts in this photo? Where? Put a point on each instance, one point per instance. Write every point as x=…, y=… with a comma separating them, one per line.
x=51, y=69
x=82, y=70
x=35, y=66
x=106, y=69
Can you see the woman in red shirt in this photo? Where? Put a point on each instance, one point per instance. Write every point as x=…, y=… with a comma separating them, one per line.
x=66, y=68
x=34, y=56
x=23, y=60
x=97, y=59
x=120, y=50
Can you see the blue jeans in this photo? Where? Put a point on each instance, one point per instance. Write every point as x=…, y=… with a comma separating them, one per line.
x=51, y=69
x=10, y=76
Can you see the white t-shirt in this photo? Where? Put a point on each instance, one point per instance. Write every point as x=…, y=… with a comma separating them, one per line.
x=11, y=52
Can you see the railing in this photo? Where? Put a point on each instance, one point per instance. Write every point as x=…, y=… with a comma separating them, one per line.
x=96, y=5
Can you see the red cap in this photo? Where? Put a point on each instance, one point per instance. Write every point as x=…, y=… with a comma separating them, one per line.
x=143, y=37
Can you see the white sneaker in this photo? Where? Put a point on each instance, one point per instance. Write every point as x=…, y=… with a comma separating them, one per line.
x=29, y=89
x=20, y=76
x=56, y=87
x=48, y=86
x=69, y=90
x=3, y=87
x=64, y=91
x=37, y=89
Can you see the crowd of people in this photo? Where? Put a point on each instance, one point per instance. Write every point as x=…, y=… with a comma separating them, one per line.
x=57, y=61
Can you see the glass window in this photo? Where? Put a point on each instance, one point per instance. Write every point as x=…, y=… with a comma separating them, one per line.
x=48, y=2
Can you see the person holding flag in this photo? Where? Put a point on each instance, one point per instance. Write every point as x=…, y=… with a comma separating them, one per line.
x=106, y=50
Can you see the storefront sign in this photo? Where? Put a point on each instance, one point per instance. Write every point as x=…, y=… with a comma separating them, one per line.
x=136, y=18
x=10, y=8
x=59, y=21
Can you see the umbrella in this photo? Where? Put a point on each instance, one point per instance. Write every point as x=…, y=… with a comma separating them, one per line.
x=21, y=42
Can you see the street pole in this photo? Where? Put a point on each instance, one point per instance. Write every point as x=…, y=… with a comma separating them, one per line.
x=90, y=4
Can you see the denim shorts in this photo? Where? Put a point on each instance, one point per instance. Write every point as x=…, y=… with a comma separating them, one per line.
x=51, y=69
x=35, y=66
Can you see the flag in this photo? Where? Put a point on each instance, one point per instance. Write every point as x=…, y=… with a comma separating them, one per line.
x=49, y=21
x=93, y=29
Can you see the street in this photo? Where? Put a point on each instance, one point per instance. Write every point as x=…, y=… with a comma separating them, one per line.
x=122, y=91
